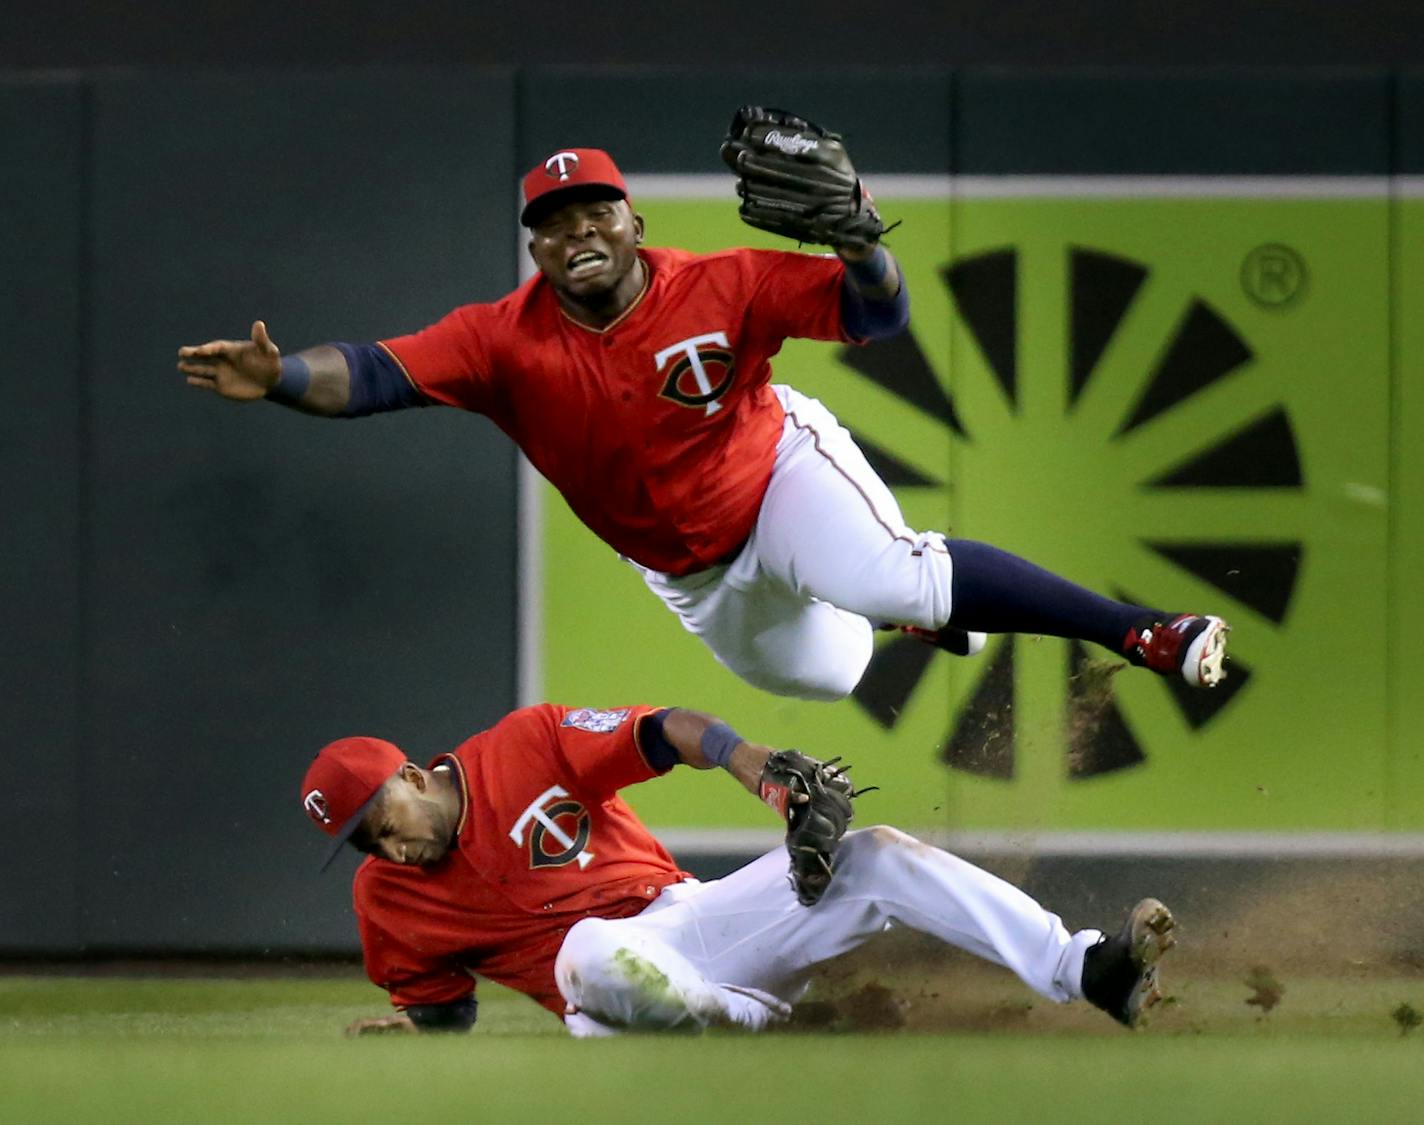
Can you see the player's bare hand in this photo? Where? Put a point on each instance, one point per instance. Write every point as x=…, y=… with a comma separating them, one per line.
x=397, y=1024
x=242, y=370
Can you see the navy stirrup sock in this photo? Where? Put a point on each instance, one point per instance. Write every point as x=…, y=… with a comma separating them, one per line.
x=996, y=592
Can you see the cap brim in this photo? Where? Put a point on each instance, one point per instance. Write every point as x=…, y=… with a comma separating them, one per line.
x=343, y=834
x=546, y=204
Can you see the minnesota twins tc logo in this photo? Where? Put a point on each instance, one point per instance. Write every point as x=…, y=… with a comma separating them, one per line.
x=315, y=804
x=699, y=360
x=543, y=823
x=562, y=165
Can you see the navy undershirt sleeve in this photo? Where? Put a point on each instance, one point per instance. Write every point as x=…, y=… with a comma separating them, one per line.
x=657, y=750
x=377, y=382
x=866, y=319
x=458, y=1015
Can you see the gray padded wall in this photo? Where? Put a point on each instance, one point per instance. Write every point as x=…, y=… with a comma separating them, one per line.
x=1125, y=122
x=40, y=199
x=262, y=581
x=670, y=120
x=832, y=33
x=1409, y=124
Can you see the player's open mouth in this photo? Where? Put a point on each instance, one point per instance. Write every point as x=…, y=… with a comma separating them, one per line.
x=585, y=262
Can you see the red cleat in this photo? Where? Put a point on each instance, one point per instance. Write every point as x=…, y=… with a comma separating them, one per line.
x=1189, y=645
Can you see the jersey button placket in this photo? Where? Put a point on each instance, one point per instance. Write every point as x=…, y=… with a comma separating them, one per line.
x=625, y=395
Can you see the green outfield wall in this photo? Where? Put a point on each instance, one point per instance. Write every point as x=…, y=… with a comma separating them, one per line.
x=1406, y=575
x=1185, y=401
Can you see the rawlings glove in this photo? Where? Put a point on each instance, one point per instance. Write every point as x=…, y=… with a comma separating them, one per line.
x=795, y=179
x=814, y=800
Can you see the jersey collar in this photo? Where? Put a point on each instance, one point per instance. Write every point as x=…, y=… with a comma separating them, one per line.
x=621, y=317
x=464, y=784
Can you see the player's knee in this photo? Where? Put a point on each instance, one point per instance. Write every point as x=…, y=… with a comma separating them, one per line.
x=909, y=583
x=831, y=685
x=614, y=977
x=580, y=967
x=872, y=863
x=878, y=838
x=828, y=683
x=868, y=847
x=825, y=675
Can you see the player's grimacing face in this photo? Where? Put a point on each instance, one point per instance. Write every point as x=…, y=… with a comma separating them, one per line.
x=587, y=248
x=406, y=825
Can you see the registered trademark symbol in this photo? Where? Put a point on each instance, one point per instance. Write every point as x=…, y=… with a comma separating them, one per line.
x=1274, y=276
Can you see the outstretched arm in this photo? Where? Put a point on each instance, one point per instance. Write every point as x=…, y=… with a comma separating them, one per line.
x=812, y=797
x=702, y=741
x=331, y=380
x=796, y=179
x=316, y=381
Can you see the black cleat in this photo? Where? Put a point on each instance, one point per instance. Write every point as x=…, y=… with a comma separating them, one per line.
x=1120, y=972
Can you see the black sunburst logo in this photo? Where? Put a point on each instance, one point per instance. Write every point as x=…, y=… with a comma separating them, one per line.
x=1201, y=350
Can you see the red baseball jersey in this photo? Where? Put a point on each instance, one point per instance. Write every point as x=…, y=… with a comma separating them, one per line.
x=661, y=429
x=543, y=841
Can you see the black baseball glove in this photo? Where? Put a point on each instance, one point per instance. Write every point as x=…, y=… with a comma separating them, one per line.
x=795, y=179
x=814, y=798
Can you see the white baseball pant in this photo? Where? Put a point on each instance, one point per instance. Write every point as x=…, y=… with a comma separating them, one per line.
x=830, y=553
x=738, y=950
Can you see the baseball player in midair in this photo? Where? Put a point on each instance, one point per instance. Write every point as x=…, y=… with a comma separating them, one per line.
x=514, y=857
x=638, y=381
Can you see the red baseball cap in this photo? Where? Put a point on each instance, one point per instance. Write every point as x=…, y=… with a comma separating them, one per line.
x=342, y=782
x=570, y=173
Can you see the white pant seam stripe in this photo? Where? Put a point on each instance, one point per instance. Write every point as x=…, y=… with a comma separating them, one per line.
x=874, y=511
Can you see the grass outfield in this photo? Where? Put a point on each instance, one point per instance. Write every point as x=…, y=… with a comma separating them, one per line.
x=258, y=1050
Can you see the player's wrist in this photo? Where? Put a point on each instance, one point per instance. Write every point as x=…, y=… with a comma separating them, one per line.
x=717, y=744
x=856, y=255
x=722, y=746
x=293, y=379
x=867, y=267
